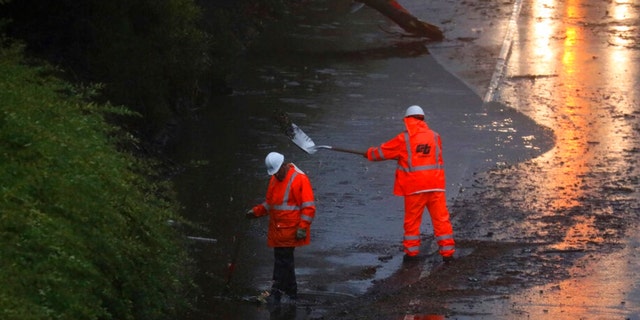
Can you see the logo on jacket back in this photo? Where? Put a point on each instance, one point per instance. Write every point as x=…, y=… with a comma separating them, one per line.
x=423, y=148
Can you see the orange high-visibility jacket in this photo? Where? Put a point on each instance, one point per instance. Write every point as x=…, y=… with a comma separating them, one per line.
x=290, y=204
x=418, y=152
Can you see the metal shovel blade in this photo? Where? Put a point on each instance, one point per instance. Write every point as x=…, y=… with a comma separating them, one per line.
x=302, y=140
x=305, y=143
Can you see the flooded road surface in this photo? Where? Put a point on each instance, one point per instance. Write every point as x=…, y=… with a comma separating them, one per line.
x=574, y=67
x=555, y=237
x=544, y=230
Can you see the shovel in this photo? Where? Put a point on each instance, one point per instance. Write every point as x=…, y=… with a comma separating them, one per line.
x=305, y=143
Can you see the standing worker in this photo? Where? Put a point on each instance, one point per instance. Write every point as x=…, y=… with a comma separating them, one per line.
x=420, y=178
x=291, y=208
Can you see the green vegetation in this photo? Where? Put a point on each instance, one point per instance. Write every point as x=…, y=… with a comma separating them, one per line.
x=83, y=231
x=83, y=223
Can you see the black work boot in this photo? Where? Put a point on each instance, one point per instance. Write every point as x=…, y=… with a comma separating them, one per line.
x=275, y=297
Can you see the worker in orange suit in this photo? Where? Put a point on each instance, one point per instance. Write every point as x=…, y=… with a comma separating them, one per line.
x=290, y=205
x=420, y=178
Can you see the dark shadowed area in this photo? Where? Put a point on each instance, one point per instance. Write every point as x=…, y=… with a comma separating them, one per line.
x=541, y=173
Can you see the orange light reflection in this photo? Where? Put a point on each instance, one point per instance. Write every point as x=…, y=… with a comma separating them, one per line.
x=591, y=82
x=563, y=183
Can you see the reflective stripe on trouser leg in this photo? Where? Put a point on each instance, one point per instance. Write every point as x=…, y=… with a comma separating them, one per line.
x=413, y=209
x=442, y=229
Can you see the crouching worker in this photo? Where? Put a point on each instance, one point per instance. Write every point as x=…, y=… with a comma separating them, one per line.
x=291, y=208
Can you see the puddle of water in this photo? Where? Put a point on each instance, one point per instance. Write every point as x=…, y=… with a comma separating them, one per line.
x=566, y=75
x=342, y=93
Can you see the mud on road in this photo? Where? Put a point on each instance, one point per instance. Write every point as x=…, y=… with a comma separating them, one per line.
x=511, y=239
x=546, y=220
x=519, y=226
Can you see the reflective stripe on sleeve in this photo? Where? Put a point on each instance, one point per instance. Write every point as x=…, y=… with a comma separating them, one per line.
x=286, y=207
x=308, y=204
x=377, y=155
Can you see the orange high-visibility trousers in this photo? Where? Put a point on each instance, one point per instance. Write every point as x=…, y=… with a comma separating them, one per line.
x=436, y=204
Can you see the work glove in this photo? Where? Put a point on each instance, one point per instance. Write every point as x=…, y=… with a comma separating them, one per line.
x=249, y=214
x=301, y=233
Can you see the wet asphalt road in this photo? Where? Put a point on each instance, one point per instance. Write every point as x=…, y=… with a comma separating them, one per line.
x=570, y=214
x=548, y=230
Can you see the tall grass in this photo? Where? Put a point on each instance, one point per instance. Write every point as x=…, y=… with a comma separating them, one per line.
x=83, y=229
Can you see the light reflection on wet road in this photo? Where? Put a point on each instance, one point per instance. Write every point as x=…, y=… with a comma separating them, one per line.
x=575, y=68
x=347, y=88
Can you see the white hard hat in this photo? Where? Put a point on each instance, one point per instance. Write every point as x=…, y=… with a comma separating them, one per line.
x=413, y=111
x=273, y=161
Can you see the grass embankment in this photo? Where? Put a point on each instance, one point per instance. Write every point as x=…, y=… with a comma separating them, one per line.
x=83, y=231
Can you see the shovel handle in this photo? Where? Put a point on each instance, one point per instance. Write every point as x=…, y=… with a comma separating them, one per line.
x=364, y=154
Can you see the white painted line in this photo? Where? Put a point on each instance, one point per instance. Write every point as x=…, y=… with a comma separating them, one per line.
x=505, y=52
